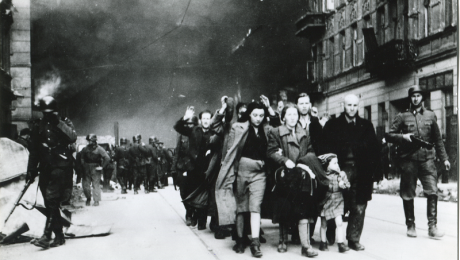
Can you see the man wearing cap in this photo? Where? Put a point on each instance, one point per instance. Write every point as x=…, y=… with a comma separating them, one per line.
x=51, y=155
x=416, y=161
x=122, y=158
x=24, y=138
x=94, y=159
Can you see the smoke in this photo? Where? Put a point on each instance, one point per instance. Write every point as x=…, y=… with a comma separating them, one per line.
x=48, y=85
x=142, y=62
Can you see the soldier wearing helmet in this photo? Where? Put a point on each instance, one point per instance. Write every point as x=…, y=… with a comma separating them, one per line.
x=138, y=153
x=151, y=177
x=416, y=161
x=51, y=156
x=165, y=161
x=94, y=158
x=122, y=158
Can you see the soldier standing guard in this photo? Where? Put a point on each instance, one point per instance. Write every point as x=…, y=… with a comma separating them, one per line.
x=417, y=133
x=94, y=158
x=51, y=155
x=121, y=157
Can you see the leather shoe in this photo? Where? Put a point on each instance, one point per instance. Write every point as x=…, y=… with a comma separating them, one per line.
x=323, y=246
x=255, y=248
x=59, y=240
x=43, y=242
x=282, y=247
x=343, y=248
x=88, y=202
x=238, y=247
x=96, y=203
x=355, y=246
x=309, y=252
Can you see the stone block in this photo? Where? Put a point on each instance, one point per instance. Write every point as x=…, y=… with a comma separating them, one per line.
x=26, y=92
x=20, y=59
x=21, y=113
x=22, y=36
x=23, y=13
x=19, y=72
x=21, y=3
x=18, y=46
x=21, y=24
x=18, y=83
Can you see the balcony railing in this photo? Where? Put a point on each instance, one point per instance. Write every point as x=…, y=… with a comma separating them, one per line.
x=311, y=25
x=395, y=56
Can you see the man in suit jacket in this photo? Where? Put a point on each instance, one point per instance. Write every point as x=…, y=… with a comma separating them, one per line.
x=354, y=141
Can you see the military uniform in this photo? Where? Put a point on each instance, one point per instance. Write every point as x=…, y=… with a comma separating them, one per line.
x=51, y=155
x=93, y=157
x=138, y=155
x=416, y=160
x=122, y=159
x=152, y=164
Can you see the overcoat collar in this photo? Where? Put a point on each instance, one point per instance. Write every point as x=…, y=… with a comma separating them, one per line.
x=299, y=131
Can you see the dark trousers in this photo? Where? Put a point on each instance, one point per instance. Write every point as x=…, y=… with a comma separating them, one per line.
x=56, y=187
x=151, y=177
x=356, y=217
x=107, y=174
x=139, y=173
x=355, y=205
x=122, y=176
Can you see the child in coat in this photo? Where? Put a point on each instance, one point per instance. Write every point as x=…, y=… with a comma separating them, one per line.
x=333, y=203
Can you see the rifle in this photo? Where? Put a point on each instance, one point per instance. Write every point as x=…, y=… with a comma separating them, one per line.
x=421, y=143
x=26, y=186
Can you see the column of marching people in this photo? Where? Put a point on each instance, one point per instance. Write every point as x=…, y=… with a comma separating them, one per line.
x=294, y=168
x=285, y=165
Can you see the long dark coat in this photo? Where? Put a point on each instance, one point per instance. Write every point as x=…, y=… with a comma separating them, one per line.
x=294, y=198
x=365, y=147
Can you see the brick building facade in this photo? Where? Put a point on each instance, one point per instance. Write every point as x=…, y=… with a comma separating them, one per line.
x=378, y=49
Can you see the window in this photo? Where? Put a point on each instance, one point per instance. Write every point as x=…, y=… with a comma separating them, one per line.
x=343, y=43
x=367, y=113
x=319, y=61
x=328, y=5
x=330, y=68
x=354, y=42
x=367, y=23
x=381, y=25
x=437, y=81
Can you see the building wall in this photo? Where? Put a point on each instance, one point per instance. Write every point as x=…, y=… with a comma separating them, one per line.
x=382, y=91
x=20, y=69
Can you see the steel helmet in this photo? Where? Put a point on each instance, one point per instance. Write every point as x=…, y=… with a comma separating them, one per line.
x=47, y=104
x=416, y=89
x=91, y=137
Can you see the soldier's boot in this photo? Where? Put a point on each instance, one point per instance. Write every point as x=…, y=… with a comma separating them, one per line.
x=432, y=207
x=88, y=202
x=410, y=218
x=123, y=191
x=45, y=241
x=59, y=239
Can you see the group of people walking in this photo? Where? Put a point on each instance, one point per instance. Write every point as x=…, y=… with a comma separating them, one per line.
x=137, y=163
x=285, y=166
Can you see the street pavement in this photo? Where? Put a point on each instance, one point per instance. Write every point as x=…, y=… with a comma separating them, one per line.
x=151, y=226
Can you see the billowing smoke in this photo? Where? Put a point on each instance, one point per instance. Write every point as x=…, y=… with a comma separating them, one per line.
x=48, y=85
x=142, y=62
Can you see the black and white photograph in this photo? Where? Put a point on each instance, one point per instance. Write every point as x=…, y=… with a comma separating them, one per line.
x=229, y=129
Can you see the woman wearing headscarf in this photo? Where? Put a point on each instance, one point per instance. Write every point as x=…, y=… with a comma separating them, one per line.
x=296, y=192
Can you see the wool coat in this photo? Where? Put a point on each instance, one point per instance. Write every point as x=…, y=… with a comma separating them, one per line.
x=366, y=149
x=225, y=198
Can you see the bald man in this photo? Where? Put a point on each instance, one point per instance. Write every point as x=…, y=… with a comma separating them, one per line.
x=354, y=141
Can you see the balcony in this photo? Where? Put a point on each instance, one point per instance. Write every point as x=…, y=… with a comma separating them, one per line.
x=393, y=57
x=311, y=25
